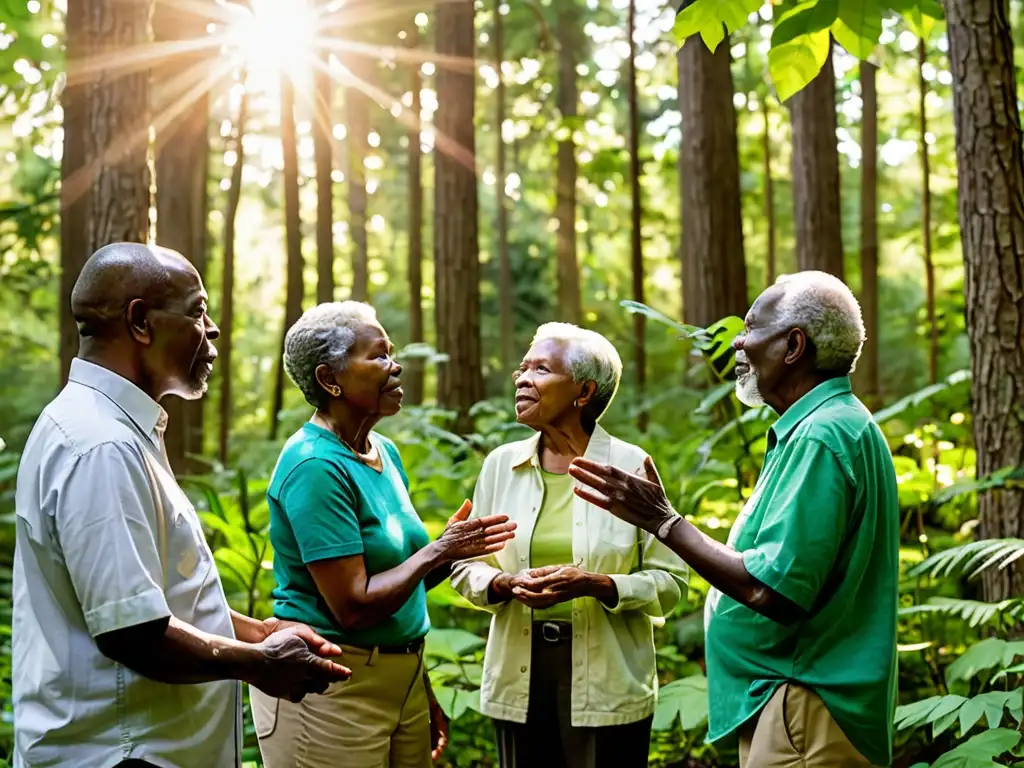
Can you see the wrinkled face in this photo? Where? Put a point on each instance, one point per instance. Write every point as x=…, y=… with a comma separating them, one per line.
x=545, y=390
x=178, y=352
x=371, y=381
x=761, y=350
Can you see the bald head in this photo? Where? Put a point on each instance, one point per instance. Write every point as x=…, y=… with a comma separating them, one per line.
x=119, y=273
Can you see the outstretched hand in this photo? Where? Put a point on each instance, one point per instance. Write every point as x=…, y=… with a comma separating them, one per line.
x=464, y=538
x=638, y=500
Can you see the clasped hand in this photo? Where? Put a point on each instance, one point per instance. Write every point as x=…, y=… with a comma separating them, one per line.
x=540, y=588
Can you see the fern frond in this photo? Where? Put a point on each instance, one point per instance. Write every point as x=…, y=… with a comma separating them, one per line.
x=975, y=612
x=986, y=552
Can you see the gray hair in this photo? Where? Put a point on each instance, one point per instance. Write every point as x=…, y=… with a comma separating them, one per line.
x=590, y=357
x=324, y=335
x=825, y=309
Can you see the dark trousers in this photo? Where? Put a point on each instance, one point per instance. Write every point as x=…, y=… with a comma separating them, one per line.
x=548, y=740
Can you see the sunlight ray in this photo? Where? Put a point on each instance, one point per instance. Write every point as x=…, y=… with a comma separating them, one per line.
x=129, y=60
x=395, y=53
x=343, y=18
x=450, y=147
x=222, y=12
x=129, y=140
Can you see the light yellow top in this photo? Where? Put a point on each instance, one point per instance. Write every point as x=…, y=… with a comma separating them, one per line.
x=552, y=536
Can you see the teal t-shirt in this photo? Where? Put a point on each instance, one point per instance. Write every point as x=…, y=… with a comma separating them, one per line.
x=325, y=503
x=822, y=529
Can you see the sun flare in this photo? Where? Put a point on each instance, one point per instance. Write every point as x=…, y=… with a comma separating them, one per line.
x=275, y=37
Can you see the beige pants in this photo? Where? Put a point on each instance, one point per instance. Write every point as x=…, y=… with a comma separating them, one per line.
x=379, y=718
x=796, y=729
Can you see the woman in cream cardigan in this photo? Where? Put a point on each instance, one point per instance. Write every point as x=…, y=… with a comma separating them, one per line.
x=569, y=673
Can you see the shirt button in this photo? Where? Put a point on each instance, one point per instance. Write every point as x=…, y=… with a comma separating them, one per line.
x=523, y=558
x=522, y=668
x=579, y=523
x=526, y=632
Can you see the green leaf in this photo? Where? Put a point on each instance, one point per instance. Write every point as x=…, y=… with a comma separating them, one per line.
x=859, y=26
x=970, y=714
x=713, y=19
x=685, y=701
x=805, y=19
x=451, y=644
x=987, y=654
x=794, y=64
x=979, y=750
x=454, y=701
x=635, y=307
x=920, y=15
x=716, y=344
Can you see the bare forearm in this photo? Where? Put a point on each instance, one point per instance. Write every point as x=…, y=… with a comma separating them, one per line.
x=384, y=593
x=722, y=567
x=437, y=575
x=177, y=653
x=247, y=629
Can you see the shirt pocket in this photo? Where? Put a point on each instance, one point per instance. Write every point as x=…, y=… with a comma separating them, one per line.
x=188, y=561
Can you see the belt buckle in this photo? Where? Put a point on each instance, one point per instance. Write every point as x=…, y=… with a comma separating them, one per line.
x=551, y=632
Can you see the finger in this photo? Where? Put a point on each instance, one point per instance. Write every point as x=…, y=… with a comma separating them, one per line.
x=547, y=570
x=595, y=481
x=330, y=649
x=605, y=471
x=494, y=538
x=595, y=498
x=501, y=528
x=463, y=513
x=307, y=635
x=487, y=522
x=547, y=582
x=333, y=671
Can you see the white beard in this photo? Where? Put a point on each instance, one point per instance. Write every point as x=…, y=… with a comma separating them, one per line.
x=747, y=390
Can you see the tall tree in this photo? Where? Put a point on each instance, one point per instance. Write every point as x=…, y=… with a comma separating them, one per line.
x=181, y=161
x=926, y=214
x=227, y=283
x=867, y=366
x=815, y=162
x=105, y=176
x=414, y=375
x=322, y=150
x=769, y=192
x=636, y=216
x=568, y=269
x=714, y=270
x=293, y=238
x=357, y=119
x=457, y=266
x=991, y=200
x=506, y=290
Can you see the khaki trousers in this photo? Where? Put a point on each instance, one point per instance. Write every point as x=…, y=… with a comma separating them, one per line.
x=795, y=728
x=379, y=718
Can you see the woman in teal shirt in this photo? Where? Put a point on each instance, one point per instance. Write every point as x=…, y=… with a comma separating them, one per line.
x=352, y=558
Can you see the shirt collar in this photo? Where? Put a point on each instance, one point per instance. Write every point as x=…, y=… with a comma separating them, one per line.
x=525, y=451
x=140, y=407
x=808, y=404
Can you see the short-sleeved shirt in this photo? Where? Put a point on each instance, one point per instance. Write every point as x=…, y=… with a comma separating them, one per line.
x=551, y=543
x=324, y=504
x=95, y=555
x=822, y=529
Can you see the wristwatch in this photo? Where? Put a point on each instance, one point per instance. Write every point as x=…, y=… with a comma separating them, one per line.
x=666, y=527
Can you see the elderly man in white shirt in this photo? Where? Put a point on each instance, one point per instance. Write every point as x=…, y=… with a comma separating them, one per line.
x=125, y=650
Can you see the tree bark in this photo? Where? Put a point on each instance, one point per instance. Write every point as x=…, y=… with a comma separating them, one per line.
x=569, y=301
x=769, y=195
x=991, y=201
x=636, y=216
x=357, y=117
x=105, y=175
x=322, y=122
x=815, y=162
x=227, y=287
x=414, y=370
x=926, y=217
x=714, y=270
x=293, y=237
x=181, y=162
x=457, y=306
x=867, y=366
x=506, y=290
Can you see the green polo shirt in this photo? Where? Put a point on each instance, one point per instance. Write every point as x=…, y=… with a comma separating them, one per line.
x=325, y=503
x=822, y=529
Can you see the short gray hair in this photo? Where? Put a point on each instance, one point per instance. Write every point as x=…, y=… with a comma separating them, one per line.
x=590, y=357
x=825, y=309
x=323, y=336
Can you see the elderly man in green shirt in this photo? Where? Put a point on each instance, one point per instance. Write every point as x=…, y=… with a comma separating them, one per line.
x=801, y=617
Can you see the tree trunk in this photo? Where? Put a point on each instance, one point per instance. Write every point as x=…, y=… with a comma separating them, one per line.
x=926, y=217
x=104, y=173
x=457, y=306
x=769, y=195
x=506, y=290
x=636, y=214
x=714, y=270
x=181, y=205
x=357, y=117
x=569, y=301
x=819, y=243
x=227, y=288
x=991, y=194
x=414, y=370
x=322, y=121
x=293, y=236
x=867, y=366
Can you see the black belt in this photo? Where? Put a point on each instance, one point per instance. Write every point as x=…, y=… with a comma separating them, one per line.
x=411, y=647
x=553, y=631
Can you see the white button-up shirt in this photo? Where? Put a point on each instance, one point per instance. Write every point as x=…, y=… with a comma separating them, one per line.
x=93, y=555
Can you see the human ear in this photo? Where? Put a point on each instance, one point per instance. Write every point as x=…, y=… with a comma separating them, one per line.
x=325, y=378
x=587, y=392
x=796, y=346
x=138, y=324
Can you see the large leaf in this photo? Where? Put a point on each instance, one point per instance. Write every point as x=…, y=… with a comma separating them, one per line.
x=920, y=15
x=980, y=750
x=455, y=701
x=713, y=19
x=635, y=307
x=858, y=26
x=975, y=554
x=975, y=612
x=794, y=64
x=685, y=701
x=716, y=345
x=992, y=652
x=961, y=377
x=451, y=644
x=805, y=19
